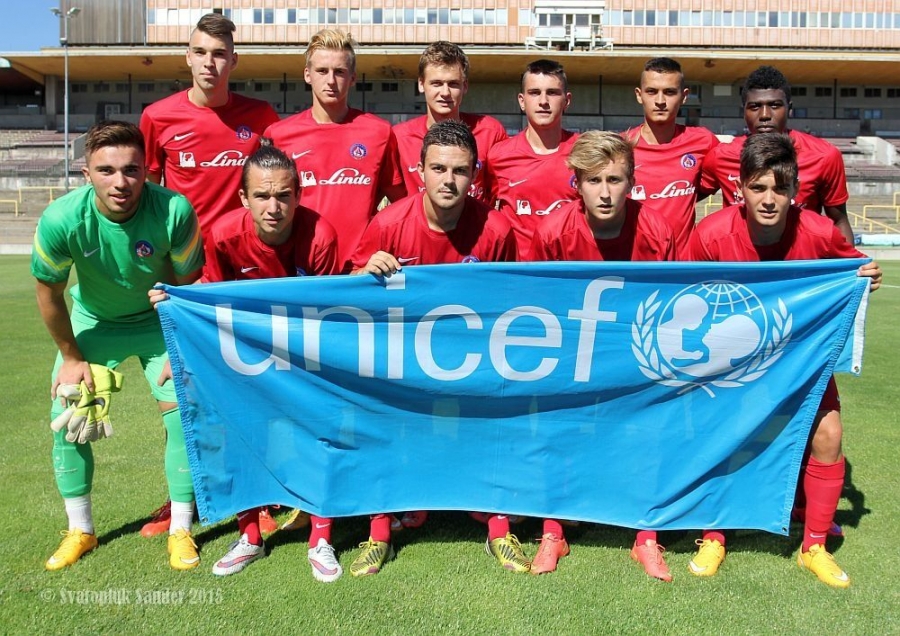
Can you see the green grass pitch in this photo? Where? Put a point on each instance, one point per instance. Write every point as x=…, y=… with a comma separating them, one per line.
x=442, y=582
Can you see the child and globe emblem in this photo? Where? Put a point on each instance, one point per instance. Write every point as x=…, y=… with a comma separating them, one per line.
x=710, y=329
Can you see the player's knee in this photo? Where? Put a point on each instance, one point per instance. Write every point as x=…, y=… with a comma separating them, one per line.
x=826, y=441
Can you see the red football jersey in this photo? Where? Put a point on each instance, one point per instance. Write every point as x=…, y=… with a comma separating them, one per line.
x=200, y=152
x=235, y=251
x=402, y=230
x=344, y=168
x=822, y=177
x=527, y=186
x=487, y=132
x=566, y=236
x=667, y=176
x=724, y=236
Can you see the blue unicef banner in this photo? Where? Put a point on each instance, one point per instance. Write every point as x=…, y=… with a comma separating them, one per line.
x=667, y=396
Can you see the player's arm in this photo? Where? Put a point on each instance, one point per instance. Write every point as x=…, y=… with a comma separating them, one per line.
x=52, y=305
x=838, y=214
x=154, y=177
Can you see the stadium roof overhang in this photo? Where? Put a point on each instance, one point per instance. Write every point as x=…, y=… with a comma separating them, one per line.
x=489, y=64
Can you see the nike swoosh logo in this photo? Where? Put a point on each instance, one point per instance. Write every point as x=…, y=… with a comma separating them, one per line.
x=404, y=261
x=189, y=561
x=816, y=536
x=412, y=168
x=297, y=155
x=640, y=165
x=513, y=184
x=184, y=470
x=244, y=270
x=91, y=253
x=319, y=526
x=731, y=178
x=184, y=136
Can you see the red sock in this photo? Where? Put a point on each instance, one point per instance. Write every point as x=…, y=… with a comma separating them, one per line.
x=380, y=528
x=248, y=523
x=645, y=535
x=822, y=484
x=554, y=527
x=498, y=526
x=713, y=535
x=319, y=528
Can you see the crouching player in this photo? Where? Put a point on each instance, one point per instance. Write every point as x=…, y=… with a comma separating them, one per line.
x=122, y=235
x=602, y=224
x=766, y=227
x=441, y=225
x=273, y=238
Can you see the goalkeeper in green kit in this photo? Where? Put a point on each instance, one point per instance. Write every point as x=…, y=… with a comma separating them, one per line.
x=122, y=235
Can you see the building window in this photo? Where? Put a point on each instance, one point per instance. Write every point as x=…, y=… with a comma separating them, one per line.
x=799, y=113
x=798, y=91
x=848, y=92
x=390, y=87
x=257, y=16
x=121, y=87
x=262, y=87
x=142, y=87
x=101, y=87
x=872, y=92
x=823, y=91
x=851, y=113
x=364, y=87
x=872, y=113
x=268, y=16
x=80, y=88
x=893, y=93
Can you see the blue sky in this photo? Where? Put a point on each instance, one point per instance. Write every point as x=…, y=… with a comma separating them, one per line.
x=28, y=25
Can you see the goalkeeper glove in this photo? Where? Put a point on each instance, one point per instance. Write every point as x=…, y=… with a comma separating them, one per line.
x=87, y=419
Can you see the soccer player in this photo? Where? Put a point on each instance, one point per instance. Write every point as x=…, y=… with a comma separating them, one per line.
x=767, y=226
x=766, y=99
x=122, y=235
x=197, y=141
x=527, y=174
x=667, y=155
x=602, y=224
x=345, y=157
x=443, y=225
x=444, y=81
x=272, y=237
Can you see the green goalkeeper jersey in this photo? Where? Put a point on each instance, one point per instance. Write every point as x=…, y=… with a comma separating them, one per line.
x=117, y=263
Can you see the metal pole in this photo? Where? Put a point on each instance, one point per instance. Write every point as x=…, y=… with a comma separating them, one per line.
x=65, y=17
x=66, y=95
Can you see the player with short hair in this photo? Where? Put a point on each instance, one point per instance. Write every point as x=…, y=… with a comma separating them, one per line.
x=444, y=81
x=527, y=174
x=602, y=224
x=767, y=226
x=197, y=140
x=766, y=100
x=272, y=237
x=667, y=155
x=443, y=225
x=122, y=235
x=345, y=157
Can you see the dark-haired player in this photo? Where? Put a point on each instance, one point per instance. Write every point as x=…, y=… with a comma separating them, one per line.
x=442, y=225
x=444, y=81
x=667, y=155
x=822, y=187
x=527, y=174
x=122, y=235
x=766, y=226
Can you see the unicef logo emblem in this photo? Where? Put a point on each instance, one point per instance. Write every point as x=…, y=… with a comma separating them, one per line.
x=712, y=334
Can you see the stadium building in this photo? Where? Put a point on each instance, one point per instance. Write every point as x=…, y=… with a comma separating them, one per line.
x=841, y=56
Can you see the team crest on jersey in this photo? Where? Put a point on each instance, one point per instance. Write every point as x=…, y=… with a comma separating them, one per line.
x=712, y=335
x=573, y=183
x=688, y=161
x=470, y=259
x=358, y=151
x=143, y=249
x=244, y=133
